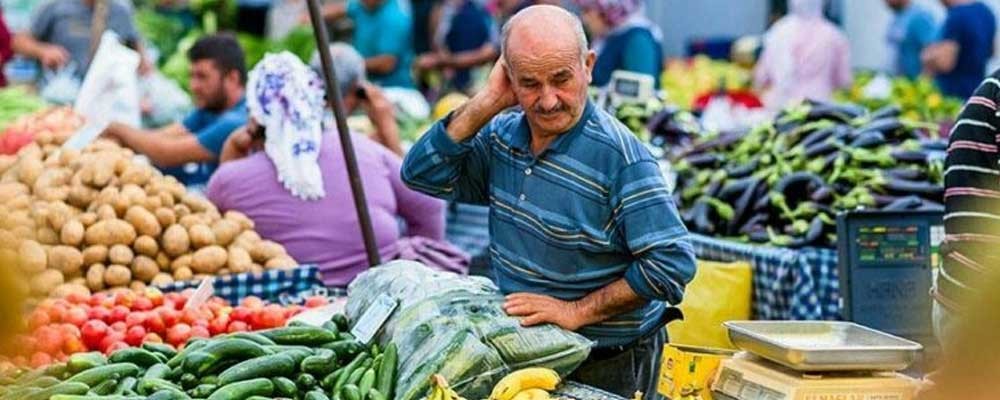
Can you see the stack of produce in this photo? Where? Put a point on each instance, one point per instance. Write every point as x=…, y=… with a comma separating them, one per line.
x=455, y=326
x=919, y=100
x=783, y=182
x=686, y=80
x=47, y=126
x=107, y=322
x=296, y=362
x=16, y=102
x=86, y=221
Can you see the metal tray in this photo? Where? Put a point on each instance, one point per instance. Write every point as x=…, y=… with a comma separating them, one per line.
x=817, y=346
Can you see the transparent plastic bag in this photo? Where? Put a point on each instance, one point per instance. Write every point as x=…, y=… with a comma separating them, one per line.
x=455, y=326
x=168, y=102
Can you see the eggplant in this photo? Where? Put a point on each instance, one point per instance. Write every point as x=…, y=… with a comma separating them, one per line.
x=813, y=235
x=762, y=204
x=823, y=148
x=735, y=188
x=756, y=221
x=883, y=200
x=904, y=203
x=822, y=195
x=705, y=161
x=934, y=144
x=820, y=135
x=910, y=156
x=759, y=235
x=744, y=170
x=884, y=125
x=926, y=190
x=912, y=174
x=844, y=113
x=798, y=186
x=929, y=205
x=741, y=207
x=721, y=142
x=868, y=139
x=889, y=111
x=702, y=217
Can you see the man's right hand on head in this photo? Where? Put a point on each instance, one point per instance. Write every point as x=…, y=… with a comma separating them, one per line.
x=499, y=89
x=53, y=56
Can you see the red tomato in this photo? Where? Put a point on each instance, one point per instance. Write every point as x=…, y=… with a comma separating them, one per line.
x=99, y=313
x=70, y=330
x=26, y=344
x=219, y=325
x=252, y=302
x=38, y=319
x=93, y=332
x=154, y=323
x=272, y=316
x=119, y=327
x=73, y=345
x=119, y=313
x=200, y=332
x=56, y=313
x=241, y=313
x=115, y=347
x=20, y=361
x=134, y=335
x=39, y=360
x=178, y=334
x=190, y=316
x=316, y=301
x=125, y=298
x=142, y=304
x=76, y=316
x=50, y=340
x=293, y=310
x=77, y=298
x=170, y=316
x=110, y=339
x=135, y=319
x=238, y=326
x=97, y=298
x=155, y=296
x=173, y=299
x=152, y=338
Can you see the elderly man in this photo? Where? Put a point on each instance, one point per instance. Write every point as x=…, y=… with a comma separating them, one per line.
x=584, y=232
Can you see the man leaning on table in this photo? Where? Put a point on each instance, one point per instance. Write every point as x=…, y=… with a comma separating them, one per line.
x=584, y=232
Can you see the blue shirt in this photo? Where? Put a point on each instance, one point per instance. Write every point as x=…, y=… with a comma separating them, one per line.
x=635, y=50
x=385, y=31
x=973, y=27
x=212, y=129
x=913, y=29
x=470, y=28
x=590, y=210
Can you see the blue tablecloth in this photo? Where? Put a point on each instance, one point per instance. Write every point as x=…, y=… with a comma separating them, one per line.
x=788, y=284
x=272, y=285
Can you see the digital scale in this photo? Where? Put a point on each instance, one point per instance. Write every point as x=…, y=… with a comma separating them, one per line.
x=626, y=87
x=886, y=261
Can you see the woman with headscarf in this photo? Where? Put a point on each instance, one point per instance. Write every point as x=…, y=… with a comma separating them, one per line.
x=623, y=38
x=805, y=57
x=286, y=171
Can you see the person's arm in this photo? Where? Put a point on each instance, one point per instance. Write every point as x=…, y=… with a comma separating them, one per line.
x=472, y=58
x=451, y=161
x=164, y=148
x=49, y=55
x=423, y=215
x=941, y=57
x=392, y=44
x=383, y=116
x=381, y=64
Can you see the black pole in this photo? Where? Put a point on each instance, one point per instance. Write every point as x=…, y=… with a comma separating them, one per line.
x=337, y=103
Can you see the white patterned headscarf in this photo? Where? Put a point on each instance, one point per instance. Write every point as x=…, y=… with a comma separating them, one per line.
x=286, y=97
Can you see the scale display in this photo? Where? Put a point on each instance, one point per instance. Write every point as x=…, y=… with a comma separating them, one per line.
x=880, y=244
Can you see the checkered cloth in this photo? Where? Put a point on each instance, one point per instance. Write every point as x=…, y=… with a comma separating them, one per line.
x=788, y=284
x=271, y=286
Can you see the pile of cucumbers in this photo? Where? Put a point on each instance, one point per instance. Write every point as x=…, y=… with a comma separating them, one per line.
x=297, y=362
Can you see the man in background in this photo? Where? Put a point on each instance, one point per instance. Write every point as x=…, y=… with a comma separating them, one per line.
x=958, y=59
x=913, y=29
x=383, y=34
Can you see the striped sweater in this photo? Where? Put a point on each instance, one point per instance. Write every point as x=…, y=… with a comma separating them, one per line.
x=590, y=210
x=972, y=196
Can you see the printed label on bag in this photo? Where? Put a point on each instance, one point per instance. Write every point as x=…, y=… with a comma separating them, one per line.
x=373, y=318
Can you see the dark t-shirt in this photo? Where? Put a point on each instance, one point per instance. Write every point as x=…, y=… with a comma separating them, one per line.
x=67, y=23
x=212, y=129
x=973, y=27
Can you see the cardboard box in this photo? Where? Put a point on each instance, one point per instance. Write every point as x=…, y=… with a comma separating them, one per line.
x=686, y=371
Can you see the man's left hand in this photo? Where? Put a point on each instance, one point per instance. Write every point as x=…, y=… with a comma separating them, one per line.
x=536, y=309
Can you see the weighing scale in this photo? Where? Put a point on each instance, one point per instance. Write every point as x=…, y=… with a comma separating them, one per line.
x=626, y=87
x=886, y=259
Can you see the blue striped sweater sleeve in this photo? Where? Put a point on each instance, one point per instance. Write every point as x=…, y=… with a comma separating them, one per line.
x=439, y=167
x=647, y=219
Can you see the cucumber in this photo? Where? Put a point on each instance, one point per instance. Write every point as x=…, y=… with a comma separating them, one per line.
x=192, y=346
x=189, y=381
x=56, y=370
x=321, y=364
x=147, y=387
x=305, y=382
x=20, y=393
x=244, y=389
x=375, y=350
x=375, y=394
x=169, y=394
x=300, y=335
x=105, y=388
x=208, y=358
x=367, y=381
x=341, y=321
x=330, y=379
x=385, y=378
x=351, y=392
x=93, y=376
x=62, y=388
x=261, y=367
x=80, y=362
x=211, y=380
x=345, y=349
x=298, y=323
x=204, y=390
x=93, y=397
x=142, y=358
x=43, y=382
x=315, y=395
x=253, y=337
x=126, y=384
x=347, y=371
x=355, y=376
x=165, y=349
x=258, y=398
x=284, y=387
x=157, y=371
x=332, y=327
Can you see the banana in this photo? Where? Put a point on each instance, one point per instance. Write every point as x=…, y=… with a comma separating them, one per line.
x=518, y=381
x=532, y=394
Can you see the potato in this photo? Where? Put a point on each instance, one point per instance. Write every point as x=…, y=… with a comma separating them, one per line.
x=120, y=204
x=117, y=275
x=97, y=254
x=181, y=210
x=265, y=250
x=53, y=193
x=162, y=279
x=175, y=241
x=87, y=219
x=223, y=272
x=256, y=269
x=95, y=277
x=68, y=156
x=103, y=172
x=167, y=200
x=145, y=222
x=34, y=258
x=120, y=254
x=196, y=203
x=208, y=260
x=201, y=235
x=70, y=288
x=183, y=274
x=146, y=246
x=6, y=162
x=28, y=170
x=190, y=220
x=23, y=232
x=58, y=217
x=72, y=233
x=110, y=232
x=134, y=195
x=165, y=216
x=11, y=190
x=181, y=262
x=282, y=261
x=239, y=260
x=8, y=240
x=78, y=280
x=136, y=174
x=106, y=212
x=144, y=268
x=137, y=286
x=47, y=236
x=65, y=259
x=163, y=261
x=81, y=196
x=225, y=231
x=45, y=282
x=152, y=203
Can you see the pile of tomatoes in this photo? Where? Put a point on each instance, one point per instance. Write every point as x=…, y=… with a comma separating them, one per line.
x=109, y=321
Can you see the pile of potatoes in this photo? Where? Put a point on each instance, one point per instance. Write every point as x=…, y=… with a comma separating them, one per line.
x=95, y=220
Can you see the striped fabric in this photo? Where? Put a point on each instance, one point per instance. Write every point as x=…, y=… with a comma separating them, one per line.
x=590, y=210
x=972, y=198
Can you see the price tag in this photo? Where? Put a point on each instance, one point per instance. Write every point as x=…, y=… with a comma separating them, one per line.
x=374, y=317
x=204, y=291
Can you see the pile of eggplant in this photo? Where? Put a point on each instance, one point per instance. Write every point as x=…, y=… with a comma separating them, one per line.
x=783, y=182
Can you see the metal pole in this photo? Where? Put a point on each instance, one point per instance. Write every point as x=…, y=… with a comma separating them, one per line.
x=337, y=103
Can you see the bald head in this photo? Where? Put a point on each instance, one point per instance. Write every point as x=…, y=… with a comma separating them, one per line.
x=543, y=30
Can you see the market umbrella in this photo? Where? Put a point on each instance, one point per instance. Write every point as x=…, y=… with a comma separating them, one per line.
x=337, y=103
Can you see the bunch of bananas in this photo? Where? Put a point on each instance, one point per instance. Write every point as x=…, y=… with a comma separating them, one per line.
x=441, y=390
x=526, y=384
